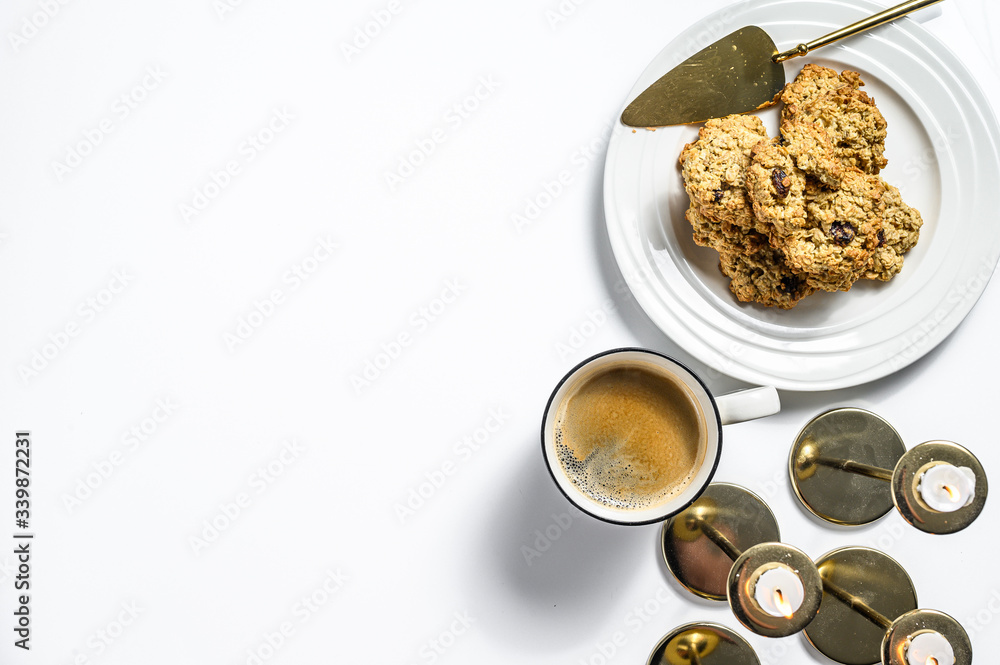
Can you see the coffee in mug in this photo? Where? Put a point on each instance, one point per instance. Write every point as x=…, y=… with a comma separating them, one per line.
x=632, y=436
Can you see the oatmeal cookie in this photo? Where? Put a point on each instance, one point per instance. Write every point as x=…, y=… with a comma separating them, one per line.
x=834, y=248
x=834, y=104
x=714, y=168
x=776, y=188
x=813, y=81
x=900, y=232
x=723, y=236
x=758, y=272
x=812, y=148
x=764, y=277
x=856, y=127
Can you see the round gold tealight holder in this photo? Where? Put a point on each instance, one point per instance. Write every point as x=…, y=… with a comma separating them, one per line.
x=910, y=626
x=745, y=574
x=702, y=644
x=849, y=466
x=906, y=483
x=719, y=547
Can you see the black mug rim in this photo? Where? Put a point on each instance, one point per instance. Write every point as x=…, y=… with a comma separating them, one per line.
x=628, y=349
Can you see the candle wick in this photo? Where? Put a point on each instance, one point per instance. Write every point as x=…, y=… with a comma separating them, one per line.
x=931, y=660
x=783, y=605
x=953, y=495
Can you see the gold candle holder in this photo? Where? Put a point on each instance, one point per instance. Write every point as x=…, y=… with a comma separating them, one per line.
x=849, y=466
x=745, y=597
x=721, y=546
x=700, y=544
x=702, y=644
x=907, y=630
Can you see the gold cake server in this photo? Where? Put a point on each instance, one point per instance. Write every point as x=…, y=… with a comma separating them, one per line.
x=739, y=73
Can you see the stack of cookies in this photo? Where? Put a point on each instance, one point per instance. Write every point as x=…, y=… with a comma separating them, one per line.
x=806, y=211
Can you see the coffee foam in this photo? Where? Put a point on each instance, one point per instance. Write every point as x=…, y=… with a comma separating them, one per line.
x=630, y=436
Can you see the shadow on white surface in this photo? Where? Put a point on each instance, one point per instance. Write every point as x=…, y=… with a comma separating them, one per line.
x=551, y=571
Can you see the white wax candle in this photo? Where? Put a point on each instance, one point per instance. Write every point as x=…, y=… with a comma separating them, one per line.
x=930, y=649
x=946, y=488
x=779, y=592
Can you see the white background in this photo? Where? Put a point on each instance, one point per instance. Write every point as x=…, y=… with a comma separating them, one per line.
x=490, y=317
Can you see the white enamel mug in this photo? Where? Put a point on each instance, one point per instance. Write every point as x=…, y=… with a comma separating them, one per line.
x=713, y=411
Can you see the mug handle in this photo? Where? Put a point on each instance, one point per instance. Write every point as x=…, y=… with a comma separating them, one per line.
x=748, y=404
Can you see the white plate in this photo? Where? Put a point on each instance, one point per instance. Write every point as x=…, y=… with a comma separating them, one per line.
x=942, y=148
